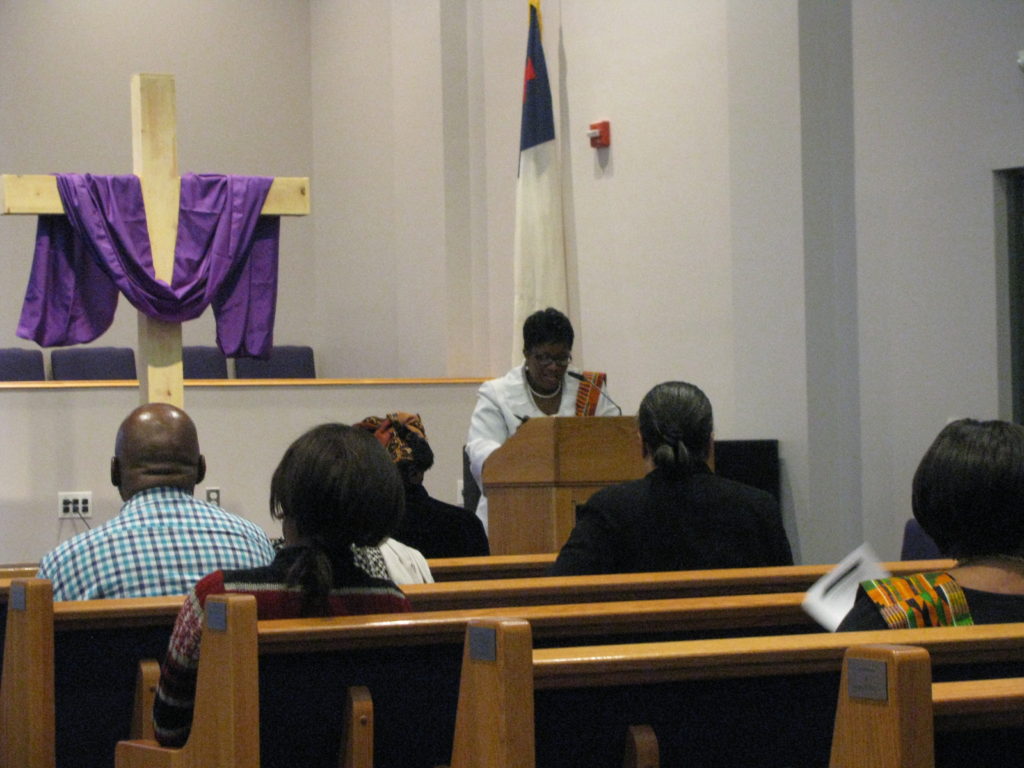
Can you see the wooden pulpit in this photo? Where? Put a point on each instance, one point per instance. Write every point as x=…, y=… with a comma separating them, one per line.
x=550, y=465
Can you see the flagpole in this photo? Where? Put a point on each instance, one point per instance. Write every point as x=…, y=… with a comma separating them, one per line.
x=539, y=263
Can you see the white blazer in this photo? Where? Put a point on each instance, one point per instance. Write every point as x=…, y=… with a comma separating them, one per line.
x=500, y=407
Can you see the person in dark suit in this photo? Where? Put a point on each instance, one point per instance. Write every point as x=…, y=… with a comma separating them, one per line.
x=433, y=527
x=680, y=516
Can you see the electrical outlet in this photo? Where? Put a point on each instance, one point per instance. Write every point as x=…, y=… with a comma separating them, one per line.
x=213, y=496
x=73, y=505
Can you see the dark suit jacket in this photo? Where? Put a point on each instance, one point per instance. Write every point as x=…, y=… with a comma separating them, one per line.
x=440, y=530
x=662, y=523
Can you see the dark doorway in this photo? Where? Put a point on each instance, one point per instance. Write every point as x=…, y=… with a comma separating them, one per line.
x=1011, y=223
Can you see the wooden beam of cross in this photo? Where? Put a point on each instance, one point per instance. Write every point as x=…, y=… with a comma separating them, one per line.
x=155, y=162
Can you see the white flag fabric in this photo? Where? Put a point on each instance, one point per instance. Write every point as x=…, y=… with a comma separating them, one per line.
x=539, y=255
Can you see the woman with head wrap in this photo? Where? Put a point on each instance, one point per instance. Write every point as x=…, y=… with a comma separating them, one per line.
x=431, y=526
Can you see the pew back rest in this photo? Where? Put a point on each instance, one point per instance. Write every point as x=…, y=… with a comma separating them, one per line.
x=445, y=596
x=767, y=700
x=884, y=710
x=889, y=709
x=28, y=700
x=99, y=643
x=414, y=723
x=227, y=695
x=489, y=567
x=477, y=591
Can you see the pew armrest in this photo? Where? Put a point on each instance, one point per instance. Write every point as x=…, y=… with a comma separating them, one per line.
x=641, y=748
x=966, y=704
x=146, y=680
x=146, y=754
x=884, y=713
x=225, y=722
x=494, y=725
x=357, y=748
x=27, y=696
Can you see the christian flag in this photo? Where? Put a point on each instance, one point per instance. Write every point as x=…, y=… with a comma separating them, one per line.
x=539, y=262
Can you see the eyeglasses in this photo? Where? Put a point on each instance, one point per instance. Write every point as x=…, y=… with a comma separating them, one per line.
x=546, y=360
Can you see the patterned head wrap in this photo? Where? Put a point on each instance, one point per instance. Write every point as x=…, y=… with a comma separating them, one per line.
x=393, y=432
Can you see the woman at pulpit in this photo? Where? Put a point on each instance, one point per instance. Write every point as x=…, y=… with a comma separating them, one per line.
x=541, y=386
x=680, y=516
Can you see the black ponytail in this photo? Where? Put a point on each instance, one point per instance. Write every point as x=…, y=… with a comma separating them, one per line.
x=676, y=424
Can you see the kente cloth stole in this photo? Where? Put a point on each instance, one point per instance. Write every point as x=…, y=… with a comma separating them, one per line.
x=590, y=392
x=920, y=600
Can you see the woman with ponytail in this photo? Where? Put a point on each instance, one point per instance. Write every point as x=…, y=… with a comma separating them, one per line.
x=680, y=516
x=337, y=495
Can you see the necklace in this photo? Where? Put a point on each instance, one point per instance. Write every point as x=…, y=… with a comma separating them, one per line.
x=558, y=389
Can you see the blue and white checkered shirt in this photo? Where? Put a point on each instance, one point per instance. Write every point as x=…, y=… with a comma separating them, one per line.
x=162, y=542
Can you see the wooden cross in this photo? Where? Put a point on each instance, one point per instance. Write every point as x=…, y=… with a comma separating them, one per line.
x=155, y=162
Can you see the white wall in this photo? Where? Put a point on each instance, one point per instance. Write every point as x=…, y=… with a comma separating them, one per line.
x=243, y=100
x=62, y=439
x=796, y=212
x=939, y=106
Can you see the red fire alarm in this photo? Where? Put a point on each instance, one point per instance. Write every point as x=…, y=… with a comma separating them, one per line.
x=600, y=134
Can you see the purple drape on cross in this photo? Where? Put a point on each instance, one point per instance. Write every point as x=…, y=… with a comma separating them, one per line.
x=225, y=255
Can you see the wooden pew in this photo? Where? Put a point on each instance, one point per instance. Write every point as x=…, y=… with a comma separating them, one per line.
x=225, y=732
x=426, y=644
x=377, y=651
x=18, y=571
x=357, y=722
x=105, y=639
x=454, y=595
x=386, y=653
x=227, y=685
x=631, y=586
x=490, y=567
x=84, y=669
x=443, y=569
x=26, y=687
x=889, y=709
x=733, y=701
x=457, y=595
x=323, y=646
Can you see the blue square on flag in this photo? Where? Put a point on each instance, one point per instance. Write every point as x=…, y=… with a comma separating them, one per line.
x=538, y=118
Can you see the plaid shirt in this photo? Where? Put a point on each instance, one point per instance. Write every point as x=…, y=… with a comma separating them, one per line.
x=163, y=541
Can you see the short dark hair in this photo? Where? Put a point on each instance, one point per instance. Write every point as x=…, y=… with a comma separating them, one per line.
x=676, y=422
x=969, y=489
x=547, y=326
x=337, y=484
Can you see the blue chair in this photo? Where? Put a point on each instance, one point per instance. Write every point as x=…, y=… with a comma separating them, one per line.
x=285, y=362
x=92, y=363
x=918, y=545
x=203, y=363
x=21, y=365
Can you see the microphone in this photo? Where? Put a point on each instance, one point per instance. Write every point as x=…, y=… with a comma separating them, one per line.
x=581, y=377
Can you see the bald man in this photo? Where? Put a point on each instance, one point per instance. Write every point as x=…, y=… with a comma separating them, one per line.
x=164, y=539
